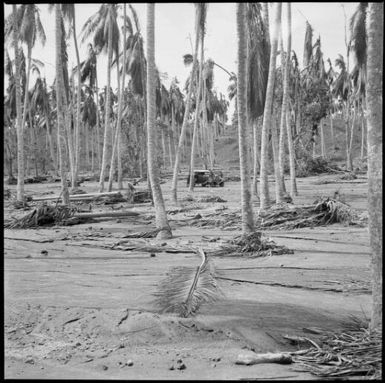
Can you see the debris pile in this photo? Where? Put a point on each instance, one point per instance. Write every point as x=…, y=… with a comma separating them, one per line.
x=324, y=211
x=357, y=352
x=251, y=245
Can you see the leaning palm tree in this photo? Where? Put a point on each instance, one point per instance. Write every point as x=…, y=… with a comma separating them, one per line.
x=153, y=170
x=59, y=100
x=103, y=25
x=375, y=32
x=264, y=194
x=187, y=107
x=247, y=210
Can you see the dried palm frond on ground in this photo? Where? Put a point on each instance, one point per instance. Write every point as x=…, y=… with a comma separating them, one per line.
x=42, y=215
x=185, y=289
x=211, y=198
x=143, y=234
x=184, y=209
x=355, y=352
x=324, y=211
x=226, y=221
x=251, y=245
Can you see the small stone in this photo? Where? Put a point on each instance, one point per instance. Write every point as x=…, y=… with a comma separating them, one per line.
x=28, y=256
x=30, y=361
x=129, y=363
x=163, y=244
x=181, y=366
x=44, y=252
x=213, y=365
x=171, y=367
x=118, y=221
x=281, y=265
x=179, y=361
x=104, y=367
x=152, y=255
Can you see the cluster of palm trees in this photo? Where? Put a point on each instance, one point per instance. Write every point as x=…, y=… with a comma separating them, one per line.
x=103, y=131
x=279, y=108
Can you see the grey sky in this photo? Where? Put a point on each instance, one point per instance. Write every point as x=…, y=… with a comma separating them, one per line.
x=175, y=23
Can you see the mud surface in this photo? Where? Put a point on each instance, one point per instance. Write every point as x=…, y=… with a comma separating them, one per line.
x=79, y=300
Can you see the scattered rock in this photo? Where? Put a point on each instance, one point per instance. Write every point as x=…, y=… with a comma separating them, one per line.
x=182, y=366
x=28, y=256
x=118, y=221
x=29, y=360
x=171, y=367
x=152, y=255
x=198, y=216
x=104, y=367
x=44, y=252
x=129, y=363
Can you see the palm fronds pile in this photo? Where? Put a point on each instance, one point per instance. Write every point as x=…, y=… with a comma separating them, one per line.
x=324, y=211
x=211, y=198
x=251, y=245
x=42, y=215
x=355, y=352
x=185, y=289
x=226, y=221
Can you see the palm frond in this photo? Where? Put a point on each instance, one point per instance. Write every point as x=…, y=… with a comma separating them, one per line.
x=358, y=39
x=185, y=289
x=135, y=17
x=308, y=45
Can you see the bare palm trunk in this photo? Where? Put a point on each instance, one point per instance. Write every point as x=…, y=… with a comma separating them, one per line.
x=153, y=170
x=293, y=184
x=351, y=138
x=117, y=129
x=19, y=126
x=60, y=104
x=77, y=123
x=107, y=112
x=375, y=27
x=97, y=125
x=323, y=151
x=247, y=209
x=277, y=173
x=332, y=129
x=184, y=125
x=267, y=115
x=256, y=156
x=362, y=136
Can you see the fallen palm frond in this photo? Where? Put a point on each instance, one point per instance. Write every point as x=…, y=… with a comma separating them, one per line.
x=211, y=198
x=251, y=245
x=185, y=289
x=183, y=209
x=226, y=221
x=42, y=215
x=324, y=211
x=355, y=352
x=143, y=234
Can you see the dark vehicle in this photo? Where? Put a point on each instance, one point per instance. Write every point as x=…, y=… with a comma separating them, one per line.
x=207, y=178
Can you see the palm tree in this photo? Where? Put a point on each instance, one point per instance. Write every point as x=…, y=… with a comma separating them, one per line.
x=19, y=126
x=120, y=106
x=264, y=194
x=30, y=28
x=247, y=210
x=160, y=211
x=199, y=100
x=103, y=25
x=375, y=30
x=187, y=107
x=257, y=72
x=59, y=100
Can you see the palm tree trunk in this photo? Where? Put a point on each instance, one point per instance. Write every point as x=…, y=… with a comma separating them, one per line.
x=277, y=173
x=77, y=124
x=351, y=138
x=29, y=49
x=33, y=142
x=153, y=170
x=293, y=184
x=256, y=156
x=332, y=129
x=117, y=130
x=19, y=126
x=68, y=128
x=267, y=115
x=323, y=151
x=247, y=209
x=375, y=28
x=362, y=136
x=97, y=123
x=184, y=124
x=59, y=99
x=107, y=110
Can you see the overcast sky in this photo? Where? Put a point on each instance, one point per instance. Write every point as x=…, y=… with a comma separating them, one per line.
x=174, y=25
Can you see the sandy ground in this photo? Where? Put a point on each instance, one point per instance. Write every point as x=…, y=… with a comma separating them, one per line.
x=82, y=310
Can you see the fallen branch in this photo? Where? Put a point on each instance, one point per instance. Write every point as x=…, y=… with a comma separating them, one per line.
x=78, y=197
x=250, y=358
